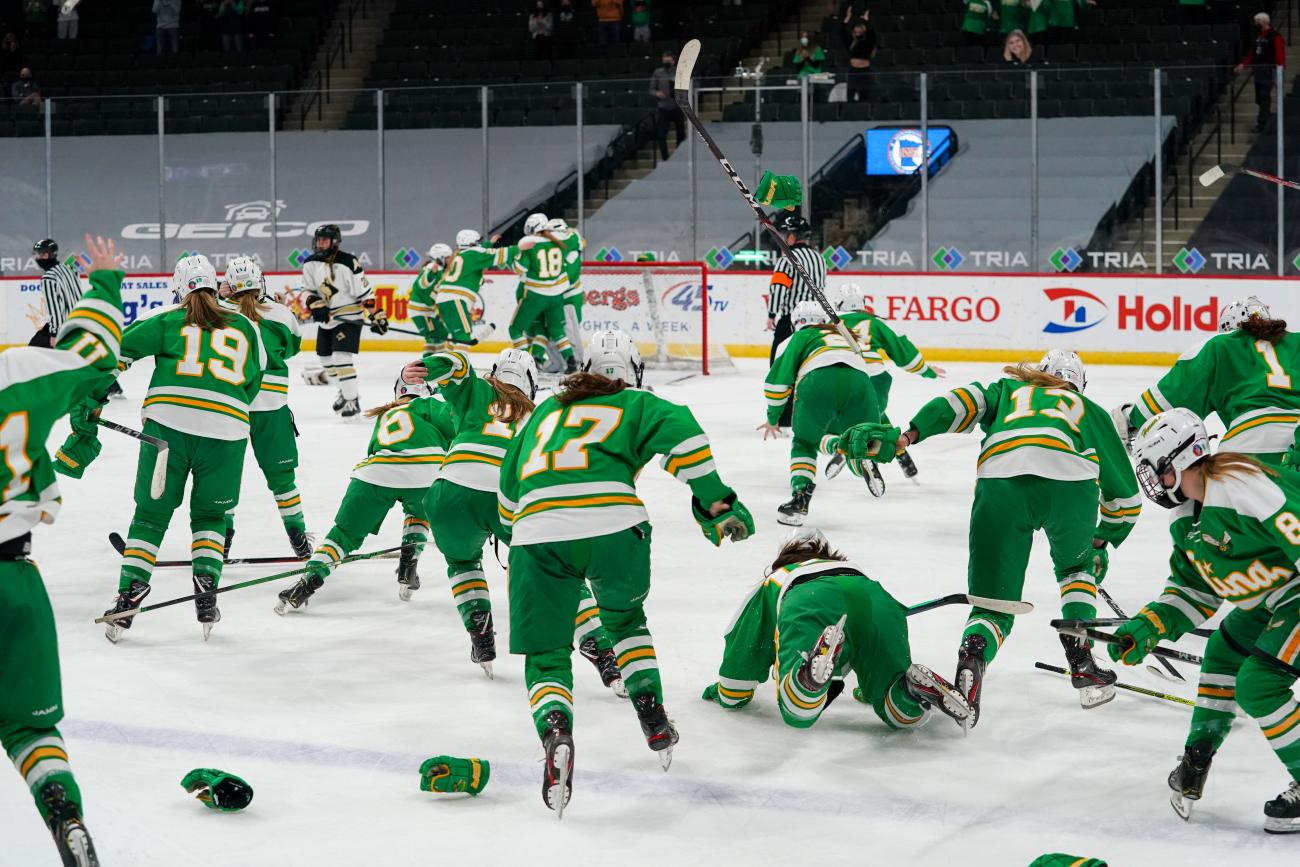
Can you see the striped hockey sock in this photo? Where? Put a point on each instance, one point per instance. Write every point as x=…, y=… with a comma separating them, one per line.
x=469, y=590
x=1078, y=596
x=41, y=757
x=140, y=554
x=549, y=678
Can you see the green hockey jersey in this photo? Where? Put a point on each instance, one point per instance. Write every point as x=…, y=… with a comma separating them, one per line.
x=574, y=245
x=282, y=339
x=408, y=445
x=570, y=472
x=463, y=277
x=1247, y=382
x=479, y=441
x=1053, y=433
x=806, y=350
x=542, y=268
x=879, y=343
x=203, y=381
x=420, y=305
x=39, y=386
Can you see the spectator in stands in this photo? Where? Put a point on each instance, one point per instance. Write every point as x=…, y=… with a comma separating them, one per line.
x=1053, y=21
x=833, y=27
x=26, y=92
x=1014, y=15
x=230, y=21
x=661, y=86
x=861, y=49
x=11, y=58
x=609, y=21
x=566, y=29
x=977, y=20
x=641, y=22
x=808, y=58
x=541, y=27
x=68, y=21
x=167, y=26
x=36, y=15
x=1017, y=52
x=1266, y=54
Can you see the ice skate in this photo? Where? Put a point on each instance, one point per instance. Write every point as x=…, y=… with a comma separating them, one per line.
x=1282, y=814
x=205, y=606
x=125, y=601
x=834, y=465
x=1094, y=683
x=115, y=391
x=819, y=664
x=557, y=780
x=70, y=834
x=302, y=543
x=482, y=641
x=660, y=734
x=907, y=465
x=339, y=402
x=795, y=510
x=297, y=595
x=351, y=410
x=316, y=376
x=1187, y=780
x=408, y=579
x=875, y=481
x=930, y=689
x=228, y=543
x=970, y=675
x=606, y=664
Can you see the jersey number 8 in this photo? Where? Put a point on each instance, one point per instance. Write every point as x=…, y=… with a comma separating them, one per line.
x=550, y=262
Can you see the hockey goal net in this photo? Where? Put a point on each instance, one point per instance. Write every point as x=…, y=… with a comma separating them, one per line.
x=663, y=305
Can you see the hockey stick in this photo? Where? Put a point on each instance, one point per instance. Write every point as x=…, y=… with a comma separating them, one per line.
x=119, y=545
x=110, y=618
x=158, y=483
x=682, y=94
x=1001, y=606
x=1176, y=699
x=1108, y=638
x=1119, y=612
x=1214, y=173
x=1114, y=621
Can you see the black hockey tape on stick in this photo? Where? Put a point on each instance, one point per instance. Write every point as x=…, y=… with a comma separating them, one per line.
x=109, y=618
x=158, y=482
x=1108, y=638
x=1113, y=621
x=1214, y=173
x=1002, y=606
x=1119, y=612
x=1176, y=699
x=690, y=53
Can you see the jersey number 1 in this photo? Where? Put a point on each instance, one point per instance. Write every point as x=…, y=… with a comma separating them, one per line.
x=1277, y=375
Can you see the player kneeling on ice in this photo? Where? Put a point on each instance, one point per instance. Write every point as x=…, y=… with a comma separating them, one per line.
x=569, y=500
x=831, y=619
x=208, y=363
x=1236, y=532
x=1048, y=456
x=834, y=391
x=406, y=449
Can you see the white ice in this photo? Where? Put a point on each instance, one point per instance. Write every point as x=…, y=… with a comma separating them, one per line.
x=328, y=712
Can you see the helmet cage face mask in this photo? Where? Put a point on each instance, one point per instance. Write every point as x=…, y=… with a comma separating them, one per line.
x=1170, y=443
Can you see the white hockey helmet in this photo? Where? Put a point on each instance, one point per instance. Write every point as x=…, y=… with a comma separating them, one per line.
x=535, y=223
x=807, y=313
x=468, y=238
x=1066, y=365
x=243, y=274
x=1170, y=442
x=557, y=224
x=614, y=354
x=193, y=272
x=1234, y=315
x=440, y=252
x=852, y=299
x=403, y=389
x=516, y=367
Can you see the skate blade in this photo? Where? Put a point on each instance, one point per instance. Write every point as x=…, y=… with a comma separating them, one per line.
x=79, y=846
x=789, y=520
x=828, y=646
x=487, y=669
x=953, y=704
x=666, y=758
x=1182, y=806
x=113, y=632
x=963, y=686
x=280, y=607
x=875, y=482
x=557, y=797
x=404, y=593
x=207, y=630
x=1095, y=696
x=619, y=688
x=1281, y=826
x=833, y=468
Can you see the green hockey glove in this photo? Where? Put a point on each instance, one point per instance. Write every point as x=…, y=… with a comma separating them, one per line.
x=450, y=774
x=871, y=442
x=711, y=692
x=779, y=191
x=1058, y=859
x=1139, y=635
x=736, y=524
x=82, y=446
x=1099, y=564
x=218, y=790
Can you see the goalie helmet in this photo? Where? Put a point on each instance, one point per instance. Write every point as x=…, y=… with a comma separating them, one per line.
x=1066, y=365
x=403, y=389
x=440, y=252
x=193, y=272
x=807, y=313
x=535, y=223
x=243, y=274
x=1170, y=442
x=614, y=354
x=516, y=367
x=468, y=238
x=1234, y=315
x=852, y=299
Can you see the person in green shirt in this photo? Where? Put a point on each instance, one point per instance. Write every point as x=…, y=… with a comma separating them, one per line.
x=544, y=280
x=420, y=305
x=808, y=58
x=1013, y=15
x=977, y=20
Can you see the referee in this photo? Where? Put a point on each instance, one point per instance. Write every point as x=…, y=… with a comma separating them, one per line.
x=60, y=287
x=788, y=288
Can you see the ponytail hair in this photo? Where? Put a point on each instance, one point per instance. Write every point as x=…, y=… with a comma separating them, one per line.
x=201, y=309
x=1272, y=330
x=375, y=412
x=511, y=404
x=1220, y=466
x=580, y=386
x=252, y=308
x=1031, y=375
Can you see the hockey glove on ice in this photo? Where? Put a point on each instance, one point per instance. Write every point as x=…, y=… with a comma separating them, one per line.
x=1057, y=859
x=736, y=524
x=779, y=191
x=218, y=790
x=449, y=774
x=1139, y=635
x=871, y=442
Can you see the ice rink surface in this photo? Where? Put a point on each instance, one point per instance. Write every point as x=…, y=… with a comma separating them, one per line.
x=328, y=712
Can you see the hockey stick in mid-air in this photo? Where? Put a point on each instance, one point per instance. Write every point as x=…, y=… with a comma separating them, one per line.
x=1177, y=699
x=682, y=94
x=1108, y=638
x=119, y=545
x=1214, y=173
x=1119, y=612
x=158, y=482
x=1001, y=606
x=110, y=618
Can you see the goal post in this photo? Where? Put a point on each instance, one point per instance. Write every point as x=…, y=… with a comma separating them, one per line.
x=664, y=306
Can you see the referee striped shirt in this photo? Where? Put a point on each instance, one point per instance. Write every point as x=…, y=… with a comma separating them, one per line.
x=788, y=288
x=62, y=290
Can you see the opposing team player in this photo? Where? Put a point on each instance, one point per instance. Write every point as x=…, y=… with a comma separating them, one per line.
x=208, y=363
x=834, y=392
x=569, y=501
x=831, y=620
x=420, y=307
x=1236, y=536
x=37, y=387
x=539, y=257
x=1046, y=452
x=879, y=342
x=340, y=296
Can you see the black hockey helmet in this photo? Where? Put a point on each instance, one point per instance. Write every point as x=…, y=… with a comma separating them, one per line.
x=791, y=223
x=331, y=232
x=46, y=248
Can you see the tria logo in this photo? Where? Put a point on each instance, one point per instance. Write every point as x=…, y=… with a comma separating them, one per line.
x=1078, y=310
